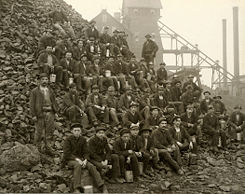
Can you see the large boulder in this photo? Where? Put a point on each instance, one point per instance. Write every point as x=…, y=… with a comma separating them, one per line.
x=19, y=158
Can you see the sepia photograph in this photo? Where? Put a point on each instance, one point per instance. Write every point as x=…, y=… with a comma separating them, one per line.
x=122, y=96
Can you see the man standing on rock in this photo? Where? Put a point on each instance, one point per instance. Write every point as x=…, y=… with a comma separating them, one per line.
x=149, y=49
x=44, y=108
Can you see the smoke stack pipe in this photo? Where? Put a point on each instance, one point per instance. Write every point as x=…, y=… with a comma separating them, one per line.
x=224, y=51
x=236, y=42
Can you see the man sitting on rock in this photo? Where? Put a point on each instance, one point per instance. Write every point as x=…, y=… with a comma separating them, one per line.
x=101, y=156
x=74, y=107
x=76, y=155
x=124, y=146
x=166, y=146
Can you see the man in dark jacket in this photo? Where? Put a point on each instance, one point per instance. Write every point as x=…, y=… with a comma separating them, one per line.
x=211, y=128
x=132, y=116
x=49, y=64
x=196, y=90
x=166, y=146
x=162, y=73
x=44, y=108
x=92, y=31
x=237, y=120
x=124, y=146
x=205, y=102
x=219, y=106
x=76, y=155
x=180, y=135
x=74, y=107
x=102, y=157
x=149, y=49
x=145, y=146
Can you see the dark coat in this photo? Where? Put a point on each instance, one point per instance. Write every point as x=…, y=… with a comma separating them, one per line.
x=37, y=100
x=43, y=58
x=162, y=74
x=92, y=33
x=185, y=119
x=99, y=149
x=161, y=103
x=105, y=38
x=119, y=147
x=75, y=148
x=69, y=101
x=235, y=121
x=124, y=102
x=91, y=100
x=184, y=135
x=129, y=118
x=140, y=144
x=149, y=48
x=210, y=122
x=218, y=106
x=72, y=67
x=204, y=105
x=162, y=138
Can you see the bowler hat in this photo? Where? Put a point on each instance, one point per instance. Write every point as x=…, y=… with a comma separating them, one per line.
x=176, y=117
x=207, y=92
x=148, y=36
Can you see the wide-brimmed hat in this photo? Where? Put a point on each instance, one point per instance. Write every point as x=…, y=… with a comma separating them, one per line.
x=97, y=129
x=162, y=119
x=133, y=104
x=145, y=128
x=207, y=92
x=76, y=125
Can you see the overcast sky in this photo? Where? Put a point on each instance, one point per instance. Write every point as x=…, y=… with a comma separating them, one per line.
x=199, y=21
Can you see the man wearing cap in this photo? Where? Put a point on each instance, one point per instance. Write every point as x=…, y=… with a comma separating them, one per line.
x=112, y=104
x=43, y=108
x=219, y=106
x=187, y=97
x=211, y=128
x=105, y=38
x=76, y=155
x=125, y=100
x=112, y=79
x=162, y=73
x=237, y=120
x=145, y=145
x=154, y=118
x=123, y=146
x=92, y=31
x=165, y=144
x=196, y=90
x=70, y=66
x=101, y=155
x=189, y=121
x=121, y=72
x=149, y=49
x=78, y=50
x=205, y=102
x=180, y=135
x=115, y=39
x=132, y=116
x=91, y=48
x=49, y=64
x=74, y=107
x=96, y=107
x=159, y=99
x=167, y=90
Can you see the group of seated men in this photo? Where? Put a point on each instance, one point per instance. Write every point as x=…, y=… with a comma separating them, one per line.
x=109, y=90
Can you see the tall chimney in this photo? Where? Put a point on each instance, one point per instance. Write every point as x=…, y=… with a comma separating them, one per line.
x=224, y=51
x=236, y=42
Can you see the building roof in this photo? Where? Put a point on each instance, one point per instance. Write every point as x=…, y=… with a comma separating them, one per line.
x=156, y=4
x=104, y=11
